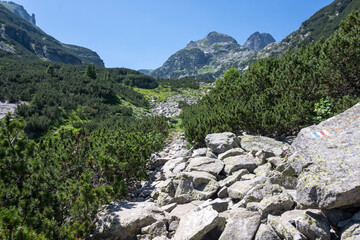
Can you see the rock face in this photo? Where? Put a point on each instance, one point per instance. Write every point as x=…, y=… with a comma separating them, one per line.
x=192, y=196
x=208, y=58
x=258, y=41
x=328, y=157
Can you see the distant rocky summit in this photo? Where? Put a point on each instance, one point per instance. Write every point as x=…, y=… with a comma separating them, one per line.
x=258, y=41
x=19, y=11
x=208, y=58
x=248, y=187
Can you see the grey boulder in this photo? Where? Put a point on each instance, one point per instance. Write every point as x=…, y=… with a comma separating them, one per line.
x=330, y=153
x=221, y=142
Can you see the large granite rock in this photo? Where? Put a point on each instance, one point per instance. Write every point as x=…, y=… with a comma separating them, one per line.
x=221, y=142
x=241, y=225
x=266, y=233
x=205, y=164
x=239, y=189
x=284, y=229
x=197, y=185
x=235, y=163
x=327, y=155
x=256, y=143
x=311, y=223
x=124, y=220
x=196, y=225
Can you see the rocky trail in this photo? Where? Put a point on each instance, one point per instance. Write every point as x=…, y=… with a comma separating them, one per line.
x=247, y=187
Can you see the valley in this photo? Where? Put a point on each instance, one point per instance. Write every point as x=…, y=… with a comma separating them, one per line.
x=223, y=141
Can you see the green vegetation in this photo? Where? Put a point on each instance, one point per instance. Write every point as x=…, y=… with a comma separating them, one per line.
x=53, y=188
x=56, y=91
x=277, y=97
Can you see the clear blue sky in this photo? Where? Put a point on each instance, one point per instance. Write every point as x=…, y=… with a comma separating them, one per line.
x=144, y=33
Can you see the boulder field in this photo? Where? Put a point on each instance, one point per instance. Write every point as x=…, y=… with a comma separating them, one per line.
x=248, y=187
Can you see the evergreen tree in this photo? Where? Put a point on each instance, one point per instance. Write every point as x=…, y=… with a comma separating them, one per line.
x=91, y=71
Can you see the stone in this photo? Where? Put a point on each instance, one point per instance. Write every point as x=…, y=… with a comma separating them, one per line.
x=311, y=223
x=350, y=229
x=262, y=155
x=266, y=233
x=195, y=225
x=179, y=168
x=205, y=164
x=241, y=225
x=235, y=163
x=276, y=177
x=351, y=232
x=261, y=191
x=256, y=143
x=221, y=142
x=183, y=209
x=210, y=154
x=169, y=208
x=219, y=205
x=156, y=162
x=197, y=185
x=331, y=179
x=223, y=193
x=124, y=220
x=169, y=166
x=173, y=226
x=275, y=161
x=263, y=169
x=199, y=152
x=313, y=226
x=275, y=205
x=252, y=206
x=155, y=230
x=231, y=153
x=234, y=177
x=284, y=229
x=239, y=189
x=248, y=176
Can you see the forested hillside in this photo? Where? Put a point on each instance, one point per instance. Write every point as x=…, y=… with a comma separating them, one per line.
x=278, y=96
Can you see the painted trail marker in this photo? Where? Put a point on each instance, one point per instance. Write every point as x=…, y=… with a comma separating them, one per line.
x=323, y=133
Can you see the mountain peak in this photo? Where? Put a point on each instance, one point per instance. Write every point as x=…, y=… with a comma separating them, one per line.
x=258, y=41
x=20, y=11
x=215, y=37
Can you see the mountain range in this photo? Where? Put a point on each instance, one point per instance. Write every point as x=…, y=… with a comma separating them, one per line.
x=208, y=58
x=19, y=35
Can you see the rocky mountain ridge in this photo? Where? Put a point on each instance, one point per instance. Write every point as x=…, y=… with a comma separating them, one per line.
x=18, y=35
x=320, y=25
x=19, y=11
x=248, y=187
x=209, y=57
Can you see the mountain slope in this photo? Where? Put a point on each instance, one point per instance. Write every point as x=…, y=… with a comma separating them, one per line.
x=208, y=58
x=18, y=36
x=320, y=25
